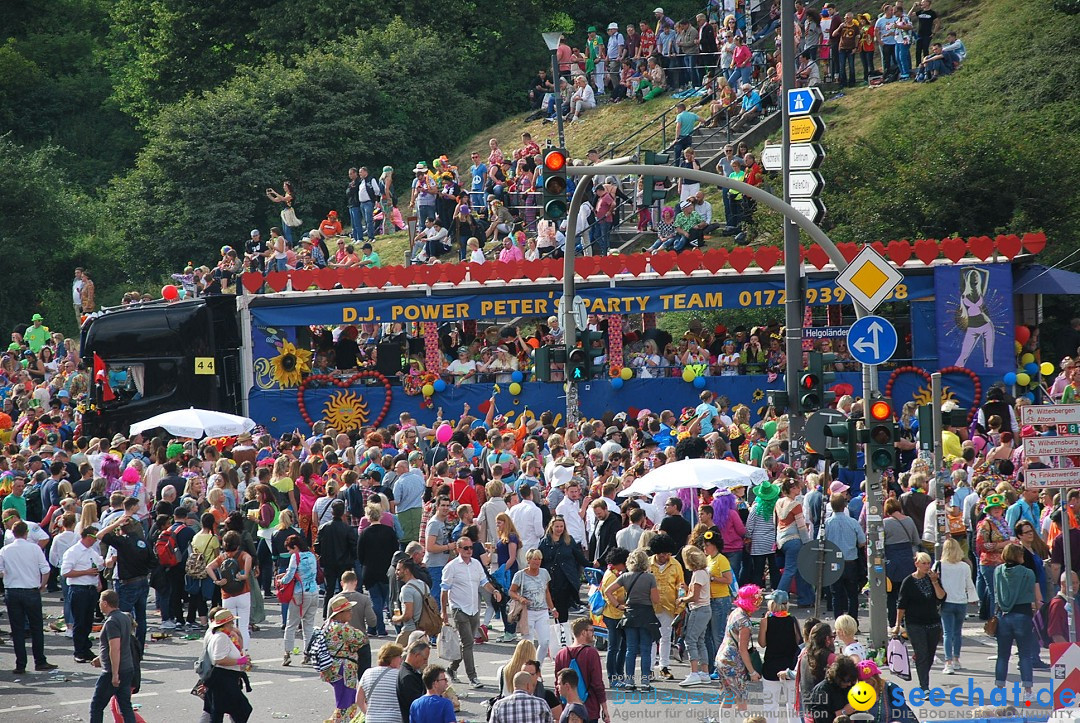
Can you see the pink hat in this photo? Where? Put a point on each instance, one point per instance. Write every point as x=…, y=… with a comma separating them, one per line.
x=747, y=598
x=644, y=413
x=838, y=486
x=868, y=669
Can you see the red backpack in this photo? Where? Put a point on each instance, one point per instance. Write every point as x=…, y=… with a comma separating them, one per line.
x=167, y=547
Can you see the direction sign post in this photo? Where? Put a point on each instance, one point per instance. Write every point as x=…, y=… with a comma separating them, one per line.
x=1050, y=414
x=812, y=208
x=806, y=129
x=801, y=157
x=872, y=340
x=804, y=101
x=869, y=278
x=805, y=184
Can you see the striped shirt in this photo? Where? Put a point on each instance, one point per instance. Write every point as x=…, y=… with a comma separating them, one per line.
x=762, y=533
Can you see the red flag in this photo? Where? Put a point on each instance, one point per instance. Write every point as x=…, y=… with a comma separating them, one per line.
x=102, y=377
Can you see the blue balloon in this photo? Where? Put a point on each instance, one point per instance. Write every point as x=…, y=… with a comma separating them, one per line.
x=1010, y=378
x=617, y=382
x=517, y=377
x=1030, y=396
x=440, y=385
x=699, y=382
x=1032, y=369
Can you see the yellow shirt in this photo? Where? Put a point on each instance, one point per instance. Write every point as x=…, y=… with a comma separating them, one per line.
x=668, y=582
x=950, y=444
x=717, y=567
x=619, y=595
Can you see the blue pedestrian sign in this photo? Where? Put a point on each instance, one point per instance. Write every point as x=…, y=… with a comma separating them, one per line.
x=804, y=101
x=872, y=340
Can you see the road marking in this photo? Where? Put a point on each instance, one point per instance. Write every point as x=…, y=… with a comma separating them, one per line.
x=262, y=682
x=16, y=709
x=83, y=702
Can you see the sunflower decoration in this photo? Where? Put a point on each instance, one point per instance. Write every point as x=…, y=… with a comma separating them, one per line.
x=759, y=394
x=345, y=411
x=289, y=365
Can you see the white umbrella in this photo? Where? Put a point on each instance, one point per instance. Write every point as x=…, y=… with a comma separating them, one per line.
x=196, y=423
x=696, y=474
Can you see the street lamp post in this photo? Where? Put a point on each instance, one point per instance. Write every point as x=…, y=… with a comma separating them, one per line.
x=552, y=41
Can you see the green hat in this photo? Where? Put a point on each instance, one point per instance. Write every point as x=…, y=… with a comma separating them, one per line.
x=387, y=169
x=592, y=28
x=174, y=450
x=37, y=317
x=13, y=346
x=766, y=491
x=994, y=500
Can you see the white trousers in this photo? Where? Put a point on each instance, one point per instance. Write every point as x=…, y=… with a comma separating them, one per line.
x=240, y=605
x=663, y=660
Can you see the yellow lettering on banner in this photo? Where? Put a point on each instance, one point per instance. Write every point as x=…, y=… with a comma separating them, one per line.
x=642, y=302
x=485, y=308
x=714, y=299
x=665, y=301
x=348, y=315
x=462, y=311
x=680, y=301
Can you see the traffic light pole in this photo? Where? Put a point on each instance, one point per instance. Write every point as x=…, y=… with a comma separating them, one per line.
x=875, y=525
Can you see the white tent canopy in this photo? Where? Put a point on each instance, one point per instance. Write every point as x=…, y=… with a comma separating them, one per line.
x=696, y=474
x=195, y=423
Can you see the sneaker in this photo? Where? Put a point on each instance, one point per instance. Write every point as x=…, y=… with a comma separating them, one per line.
x=45, y=667
x=1040, y=665
x=692, y=679
x=287, y=660
x=57, y=627
x=453, y=677
x=475, y=684
x=168, y=625
x=506, y=638
x=714, y=676
x=948, y=669
x=19, y=671
x=666, y=674
x=82, y=661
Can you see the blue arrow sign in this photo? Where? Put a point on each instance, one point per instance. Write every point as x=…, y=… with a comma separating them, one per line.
x=872, y=340
x=803, y=101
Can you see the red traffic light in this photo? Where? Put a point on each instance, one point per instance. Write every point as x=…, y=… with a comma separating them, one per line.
x=808, y=381
x=880, y=410
x=554, y=160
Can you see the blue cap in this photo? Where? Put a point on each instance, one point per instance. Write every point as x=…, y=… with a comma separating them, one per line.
x=778, y=596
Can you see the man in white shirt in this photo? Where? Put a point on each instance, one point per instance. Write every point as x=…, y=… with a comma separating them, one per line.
x=583, y=98
x=528, y=519
x=462, y=369
x=572, y=511
x=462, y=579
x=80, y=567
x=628, y=537
x=60, y=545
x=76, y=293
x=35, y=534
x=26, y=572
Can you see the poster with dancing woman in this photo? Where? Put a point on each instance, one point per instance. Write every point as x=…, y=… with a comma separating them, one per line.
x=974, y=315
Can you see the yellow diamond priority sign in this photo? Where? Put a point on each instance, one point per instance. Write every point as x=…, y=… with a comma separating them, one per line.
x=869, y=279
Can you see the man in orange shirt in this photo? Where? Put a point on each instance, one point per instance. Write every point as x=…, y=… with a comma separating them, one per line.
x=330, y=226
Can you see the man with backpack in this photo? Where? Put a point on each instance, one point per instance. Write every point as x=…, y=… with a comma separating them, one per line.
x=134, y=560
x=584, y=660
x=172, y=547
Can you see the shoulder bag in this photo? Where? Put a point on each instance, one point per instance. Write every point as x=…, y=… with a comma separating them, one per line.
x=640, y=616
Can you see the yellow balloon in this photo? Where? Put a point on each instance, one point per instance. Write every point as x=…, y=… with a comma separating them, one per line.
x=688, y=375
x=1046, y=368
x=1027, y=358
x=428, y=390
x=515, y=388
x=626, y=373
x=1018, y=346
x=1023, y=379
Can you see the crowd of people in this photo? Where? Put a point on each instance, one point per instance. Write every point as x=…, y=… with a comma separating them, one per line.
x=391, y=535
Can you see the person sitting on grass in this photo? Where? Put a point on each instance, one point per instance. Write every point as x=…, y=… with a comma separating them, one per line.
x=689, y=226
x=582, y=100
x=665, y=231
x=939, y=62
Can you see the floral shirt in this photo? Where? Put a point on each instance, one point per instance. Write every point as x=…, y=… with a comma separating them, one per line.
x=344, y=643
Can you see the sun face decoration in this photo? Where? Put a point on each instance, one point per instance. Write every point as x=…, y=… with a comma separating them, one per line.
x=923, y=396
x=345, y=411
x=289, y=365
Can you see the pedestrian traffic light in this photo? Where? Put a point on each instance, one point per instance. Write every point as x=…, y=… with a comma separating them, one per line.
x=778, y=399
x=954, y=418
x=813, y=383
x=926, y=427
x=543, y=359
x=654, y=188
x=577, y=365
x=589, y=342
x=555, y=202
x=845, y=450
x=881, y=435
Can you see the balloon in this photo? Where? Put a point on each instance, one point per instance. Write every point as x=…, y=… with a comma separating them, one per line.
x=1046, y=368
x=517, y=377
x=428, y=390
x=170, y=293
x=1027, y=358
x=1023, y=379
x=688, y=375
x=1010, y=378
x=182, y=292
x=440, y=385
x=1022, y=333
x=627, y=374
x=1018, y=346
x=699, y=382
x=1031, y=368
x=617, y=382
x=515, y=388
x=443, y=433
x=1030, y=396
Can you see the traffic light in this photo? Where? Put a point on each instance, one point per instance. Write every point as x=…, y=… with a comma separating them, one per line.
x=954, y=418
x=926, y=427
x=544, y=357
x=555, y=202
x=846, y=450
x=881, y=435
x=588, y=338
x=777, y=399
x=814, y=382
x=654, y=188
x=577, y=365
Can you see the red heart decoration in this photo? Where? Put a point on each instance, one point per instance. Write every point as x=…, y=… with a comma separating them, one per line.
x=954, y=249
x=689, y=261
x=1009, y=245
x=1034, y=242
x=981, y=247
x=849, y=251
x=586, y=266
x=276, y=280
x=377, y=278
x=636, y=263
x=326, y=278
x=351, y=278
x=739, y=258
x=767, y=257
x=879, y=247
x=715, y=259
x=556, y=268
x=926, y=250
x=663, y=262
x=302, y=279
x=610, y=265
x=344, y=383
x=898, y=252
x=534, y=270
x=453, y=273
x=511, y=271
x=817, y=256
x=480, y=273
x=252, y=281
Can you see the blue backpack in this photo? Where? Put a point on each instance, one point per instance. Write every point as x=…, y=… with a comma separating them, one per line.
x=582, y=689
x=597, y=603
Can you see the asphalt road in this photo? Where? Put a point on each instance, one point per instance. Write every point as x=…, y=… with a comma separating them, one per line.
x=296, y=693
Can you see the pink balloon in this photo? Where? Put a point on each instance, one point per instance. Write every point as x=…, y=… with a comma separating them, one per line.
x=444, y=433
x=170, y=293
